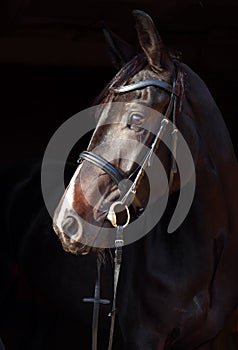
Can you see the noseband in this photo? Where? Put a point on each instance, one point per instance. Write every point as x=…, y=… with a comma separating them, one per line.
x=103, y=164
x=171, y=109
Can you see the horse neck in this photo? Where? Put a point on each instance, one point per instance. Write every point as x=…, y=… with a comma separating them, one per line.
x=208, y=118
x=213, y=141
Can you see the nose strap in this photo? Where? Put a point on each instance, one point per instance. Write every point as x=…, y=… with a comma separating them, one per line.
x=103, y=164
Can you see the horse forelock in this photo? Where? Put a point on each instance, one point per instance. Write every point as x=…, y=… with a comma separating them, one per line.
x=124, y=74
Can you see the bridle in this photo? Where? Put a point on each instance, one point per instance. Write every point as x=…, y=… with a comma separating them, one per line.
x=113, y=172
x=115, y=175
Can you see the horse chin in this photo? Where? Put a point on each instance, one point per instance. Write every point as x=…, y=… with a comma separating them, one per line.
x=80, y=249
x=75, y=247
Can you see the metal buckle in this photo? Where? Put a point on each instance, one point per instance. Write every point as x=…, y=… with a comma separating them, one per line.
x=119, y=243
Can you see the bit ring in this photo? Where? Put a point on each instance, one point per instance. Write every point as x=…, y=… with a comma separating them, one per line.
x=112, y=217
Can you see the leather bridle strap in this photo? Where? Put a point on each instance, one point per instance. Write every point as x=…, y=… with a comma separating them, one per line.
x=103, y=164
x=96, y=308
x=119, y=243
x=142, y=84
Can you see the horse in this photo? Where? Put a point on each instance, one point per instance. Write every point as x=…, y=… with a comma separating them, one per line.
x=176, y=289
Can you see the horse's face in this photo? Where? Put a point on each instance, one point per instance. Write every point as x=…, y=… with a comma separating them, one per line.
x=126, y=124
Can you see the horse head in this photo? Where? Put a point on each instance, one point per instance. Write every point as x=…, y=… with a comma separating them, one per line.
x=148, y=98
x=134, y=111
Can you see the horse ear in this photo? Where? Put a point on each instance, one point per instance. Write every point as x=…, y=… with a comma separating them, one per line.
x=151, y=42
x=120, y=51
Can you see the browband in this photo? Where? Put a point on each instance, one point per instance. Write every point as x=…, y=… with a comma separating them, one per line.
x=142, y=84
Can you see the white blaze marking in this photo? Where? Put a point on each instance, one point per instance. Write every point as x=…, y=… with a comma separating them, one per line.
x=67, y=203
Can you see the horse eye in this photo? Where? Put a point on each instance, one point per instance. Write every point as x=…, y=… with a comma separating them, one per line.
x=135, y=121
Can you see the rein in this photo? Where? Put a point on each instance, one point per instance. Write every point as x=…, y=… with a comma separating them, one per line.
x=137, y=174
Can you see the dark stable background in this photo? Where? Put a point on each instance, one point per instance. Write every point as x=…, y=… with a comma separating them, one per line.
x=54, y=62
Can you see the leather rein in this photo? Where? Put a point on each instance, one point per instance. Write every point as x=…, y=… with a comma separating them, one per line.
x=115, y=175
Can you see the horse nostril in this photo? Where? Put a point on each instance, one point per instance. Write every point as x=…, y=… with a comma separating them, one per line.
x=70, y=226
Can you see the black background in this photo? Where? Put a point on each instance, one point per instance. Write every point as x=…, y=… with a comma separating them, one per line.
x=54, y=61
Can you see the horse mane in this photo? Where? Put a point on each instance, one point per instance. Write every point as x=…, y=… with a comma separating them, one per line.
x=210, y=122
x=125, y=73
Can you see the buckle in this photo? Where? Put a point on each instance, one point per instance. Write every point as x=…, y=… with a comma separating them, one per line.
x=119, y=243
